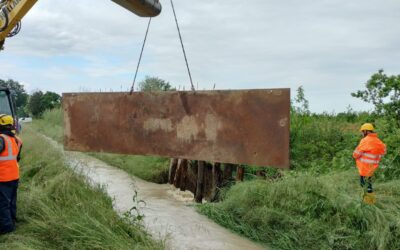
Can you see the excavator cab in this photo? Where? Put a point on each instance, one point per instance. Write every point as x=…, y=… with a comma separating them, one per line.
x=7, y=105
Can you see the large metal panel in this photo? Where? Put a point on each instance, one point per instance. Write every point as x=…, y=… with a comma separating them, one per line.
x=240, y=127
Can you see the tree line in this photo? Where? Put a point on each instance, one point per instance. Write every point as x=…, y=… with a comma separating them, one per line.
x=31, y=104
x=36, y=103
x=381, y=90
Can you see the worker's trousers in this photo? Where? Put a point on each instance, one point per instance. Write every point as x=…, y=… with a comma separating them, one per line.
x=366, y=180
x=8, y=206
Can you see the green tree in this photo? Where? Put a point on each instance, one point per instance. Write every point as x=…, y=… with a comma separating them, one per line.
x=384, y=93
x=300, y=99
x=35, y=105
x=51, y=100
x=154, y=84
x=19, y=93
x=39, y=102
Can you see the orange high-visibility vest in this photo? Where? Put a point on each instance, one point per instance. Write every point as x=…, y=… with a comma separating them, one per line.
x=368, y=154
x=9, y=168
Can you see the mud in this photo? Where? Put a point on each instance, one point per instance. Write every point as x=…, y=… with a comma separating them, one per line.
x=168, y=213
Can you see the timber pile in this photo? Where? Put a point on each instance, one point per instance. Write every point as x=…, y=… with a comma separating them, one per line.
x=201, y=178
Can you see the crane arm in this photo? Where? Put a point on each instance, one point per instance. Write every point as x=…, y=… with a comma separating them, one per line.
x=12, y=11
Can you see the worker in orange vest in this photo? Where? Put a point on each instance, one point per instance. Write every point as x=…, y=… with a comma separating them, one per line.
x=10, y=149
x=367, y=154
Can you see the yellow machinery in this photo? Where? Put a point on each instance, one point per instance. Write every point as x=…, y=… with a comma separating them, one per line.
x=7, y=105
x=12, y=11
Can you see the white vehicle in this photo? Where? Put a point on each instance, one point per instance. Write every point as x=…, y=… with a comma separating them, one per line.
x=25, y=119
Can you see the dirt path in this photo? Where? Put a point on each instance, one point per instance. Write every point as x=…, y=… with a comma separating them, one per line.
x=167, y=216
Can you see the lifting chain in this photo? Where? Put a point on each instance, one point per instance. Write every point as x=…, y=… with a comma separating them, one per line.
x=183, y=47
x=140, y=57
x=183, y=50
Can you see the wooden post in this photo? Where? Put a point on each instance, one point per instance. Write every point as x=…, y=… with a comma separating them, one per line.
x=227, y=171
x=216, y=173
x=220, y=176
x=216, y=181
x=200, y=180
x=184, y=172
x=239, y=173
x=177, y=178
x=172, y=170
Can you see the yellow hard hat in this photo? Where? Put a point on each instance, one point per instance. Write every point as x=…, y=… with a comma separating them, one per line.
x=367, y=126
x=6, y=120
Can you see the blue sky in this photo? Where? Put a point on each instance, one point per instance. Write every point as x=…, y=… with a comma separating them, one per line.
x=331, y=48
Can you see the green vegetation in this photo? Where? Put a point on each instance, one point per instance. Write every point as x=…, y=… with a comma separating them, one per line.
x=51, y=124
x=154, y=84
x=302, y=211
x=149, y=168
x=34, y=104
x=383, y=92
x=55, y=212
x=318, y=205
x=38, y=102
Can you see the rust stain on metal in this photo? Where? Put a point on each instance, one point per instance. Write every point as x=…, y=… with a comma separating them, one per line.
x=240, y=126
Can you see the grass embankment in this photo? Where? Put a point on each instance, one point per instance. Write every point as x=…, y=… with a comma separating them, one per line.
x=318, y=204
x=149, y=168
x=58, y=210
x=309, y=212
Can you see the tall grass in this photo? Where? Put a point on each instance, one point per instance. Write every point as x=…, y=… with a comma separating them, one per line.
x=51, y=124
x=305, y=212
x=317, y=140
x=149, y=168
x=320, y=143
x=318, y=204
x=58, y=210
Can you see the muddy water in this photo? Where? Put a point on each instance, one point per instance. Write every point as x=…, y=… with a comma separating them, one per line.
x=168, y=214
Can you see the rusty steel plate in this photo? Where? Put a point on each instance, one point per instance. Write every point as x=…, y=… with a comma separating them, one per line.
x=240, y=127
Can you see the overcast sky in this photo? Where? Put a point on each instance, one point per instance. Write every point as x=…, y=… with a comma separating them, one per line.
x=330, y=47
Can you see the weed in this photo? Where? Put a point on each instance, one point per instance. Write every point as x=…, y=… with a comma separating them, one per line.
x=133, y=215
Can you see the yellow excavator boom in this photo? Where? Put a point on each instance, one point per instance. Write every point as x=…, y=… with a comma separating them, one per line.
x=12, y=11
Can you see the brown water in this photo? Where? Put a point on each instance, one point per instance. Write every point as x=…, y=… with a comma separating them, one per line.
x=167, y=213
